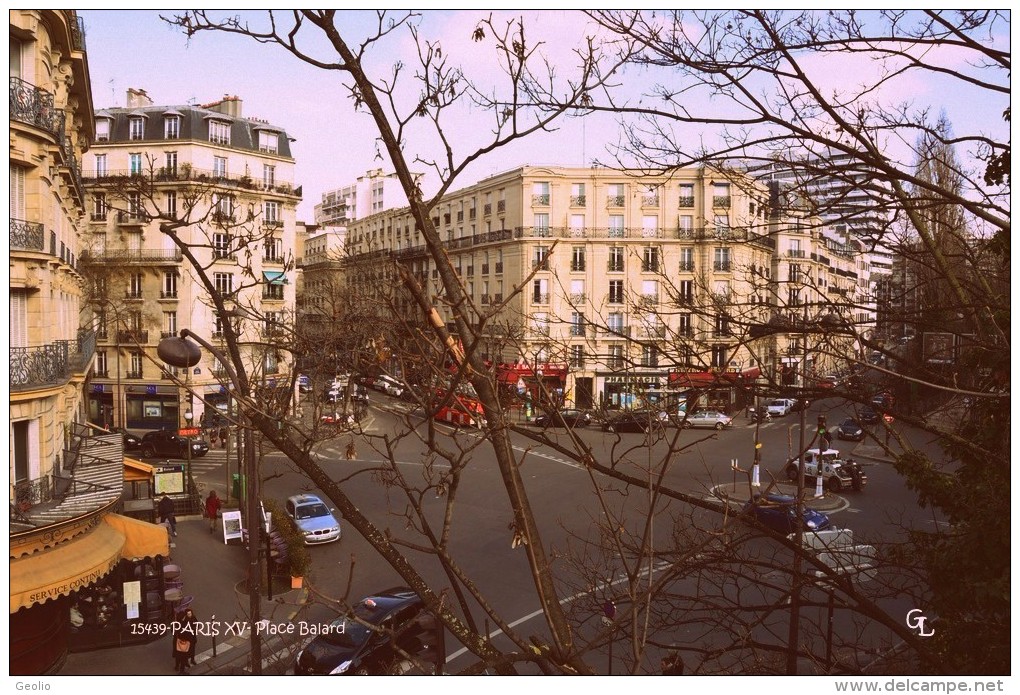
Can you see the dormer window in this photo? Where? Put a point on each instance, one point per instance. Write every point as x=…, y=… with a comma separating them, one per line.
x=136, y=128
x=269, y=142
x=219, y=132
x=171, y=127
x=102, y=130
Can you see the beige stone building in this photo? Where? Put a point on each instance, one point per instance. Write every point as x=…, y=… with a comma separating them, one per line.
x=230, y=179
x=614, y=287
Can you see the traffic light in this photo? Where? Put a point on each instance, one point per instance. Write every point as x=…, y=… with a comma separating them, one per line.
x=821, y=425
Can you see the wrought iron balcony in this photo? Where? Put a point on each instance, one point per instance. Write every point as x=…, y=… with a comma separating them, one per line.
x=35, y=107
x=27, y=236
x=686, y=267
x=133, y=256
x=649, y=200
x=540, y=199
x=614, y=201
x=133, y=336
x=720, y=201
x=501, y=206
x=578, y=200
x=686, y=201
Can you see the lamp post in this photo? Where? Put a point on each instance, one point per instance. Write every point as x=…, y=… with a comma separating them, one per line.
x=188, y=417
x=179, y=352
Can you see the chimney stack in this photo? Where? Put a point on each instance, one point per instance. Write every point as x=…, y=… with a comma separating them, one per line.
x=137, y=97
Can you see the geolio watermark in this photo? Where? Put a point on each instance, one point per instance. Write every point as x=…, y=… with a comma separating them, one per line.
x=916, y=620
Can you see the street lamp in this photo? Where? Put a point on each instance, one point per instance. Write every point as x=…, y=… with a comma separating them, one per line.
x=180, y=352
x=188, y=417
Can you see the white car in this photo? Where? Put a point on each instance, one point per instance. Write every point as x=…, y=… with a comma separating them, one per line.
x=779, y=407
x=708, y=418
x=389, y=386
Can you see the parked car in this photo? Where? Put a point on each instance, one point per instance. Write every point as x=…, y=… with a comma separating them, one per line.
x=131, y=441
x=836, y=472
x=708, y=418
x=632, y=421
x=779, y=513
x=779, y=407
x=850, y=429
x=368, y=640
x=388, y=385
x=828, y=382
x=169, y=444
x=569, y=417
x=869, y=416
x=313, y=518
x=799, y=404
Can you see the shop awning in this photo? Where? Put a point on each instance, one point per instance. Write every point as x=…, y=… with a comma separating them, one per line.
x=84, y=560
x=137, y=470
x=274, y=277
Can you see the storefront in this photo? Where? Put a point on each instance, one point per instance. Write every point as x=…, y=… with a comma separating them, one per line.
x=542, y=383
x=85, y=591
x=631, y=390
x=724, y=390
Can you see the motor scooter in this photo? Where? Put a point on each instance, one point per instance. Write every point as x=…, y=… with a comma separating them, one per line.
x=756, y=415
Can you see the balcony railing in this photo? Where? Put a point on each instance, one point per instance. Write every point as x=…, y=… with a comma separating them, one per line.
x=35, y=107
x=686, y=201
x=577, y=298
x=500, y=206
x=51, y=364
x=578, y=200
x=649, y=266
x=499, y=267
x=133, y=336
x=795, y=253
x=133, y=294
x=540, y=199
x=720, y=201
x=686, y=266
x=614, y=201
x=649, y=200
x=540, y=330
x=186, y=172
x=578, y=330
x=540, y=264
x=487, y=209
x=615, y=266
x=721, y=266
x=27, y=236
x=618, y=330
x=577, y=266
x=133, y=256
x=539, y=298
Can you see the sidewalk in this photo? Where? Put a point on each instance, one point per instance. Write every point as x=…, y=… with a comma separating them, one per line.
x=211, y=572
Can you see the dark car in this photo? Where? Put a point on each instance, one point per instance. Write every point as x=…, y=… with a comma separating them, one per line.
x=632, y=421
x=368, y=641
x=869, y=416
x=779, y=513
x=564, y=418
x=131, y=441
x=851, y=430
x=799, y=404
x=171, y=445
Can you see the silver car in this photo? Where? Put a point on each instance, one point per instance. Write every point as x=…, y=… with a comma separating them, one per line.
x=313, y=518
x=708, y=418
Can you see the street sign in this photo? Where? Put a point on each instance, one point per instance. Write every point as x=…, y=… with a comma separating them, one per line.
x=189, y=431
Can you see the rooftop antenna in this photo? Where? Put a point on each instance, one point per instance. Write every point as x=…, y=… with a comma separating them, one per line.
x=113, y=92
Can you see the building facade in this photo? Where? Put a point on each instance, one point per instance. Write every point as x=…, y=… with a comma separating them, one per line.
x=612, y=288
x=370, y=194
x=225, y=185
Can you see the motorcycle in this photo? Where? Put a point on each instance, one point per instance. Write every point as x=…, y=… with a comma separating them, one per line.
x=756, y=415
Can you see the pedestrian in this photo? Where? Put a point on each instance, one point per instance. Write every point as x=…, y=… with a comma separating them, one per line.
x=212, y=508
x=191, y=621
x=352, y=452
x=166, y=513
x=224, y=433
x=183, y=642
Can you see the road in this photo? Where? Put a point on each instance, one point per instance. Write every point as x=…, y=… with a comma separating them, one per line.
x=561, y=491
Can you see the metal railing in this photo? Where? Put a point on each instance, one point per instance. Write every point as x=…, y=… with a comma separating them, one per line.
x=27, y=236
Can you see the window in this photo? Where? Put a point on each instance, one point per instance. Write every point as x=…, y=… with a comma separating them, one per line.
x=721, y=195
x=100, y=166
x=273, y=290
x=722, y=326
x=793, y=298
x=221, y=245
x=171, y=203
x=614, y=358
x=686, y=292
x=274, y=250
x=686, y=260
x=219, y=166
x=649, y=356
x=271, y=362
x=102, y=129
x=720, y=356
x=616, y=259
x=686, y=226
x=269, y=142
x=577, y=225
x=576, y=291
x=614, y=195
x=616, y=291
x=171, y=127
x=722, y=226
x=794, y=272
x=540, y=323
x=576, y=323
x=136, y=128
x=268, y=175
x=102, y=366
x=135, y=163
x=576, y=356
x=614, y=322
x=577, y=258
x=540, y=291
x=540, y=193
x=99, y=207
x=541, y=224
x=722, y=259
x=650, y=259
x=650, y=226
x=795, y=250
x=687, y=195
x=170, y=164
x=541, y=260
x=577, y=196
x=223, y=207
x=271, y=212
x=650, y=291
x=219, y=132
x=224, y=283
x=721, y=288
x=134, y=204
x=169, y=324
x=135, y=370
x=616, y=227
x=169, y=290
x=685, y=329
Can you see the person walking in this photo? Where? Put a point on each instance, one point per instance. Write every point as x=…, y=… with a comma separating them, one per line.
x=166, y=513
x=212, y=508
x=224, y=433
x=183, y=642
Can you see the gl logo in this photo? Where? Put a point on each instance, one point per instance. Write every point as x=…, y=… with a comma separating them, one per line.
x=916, y=621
